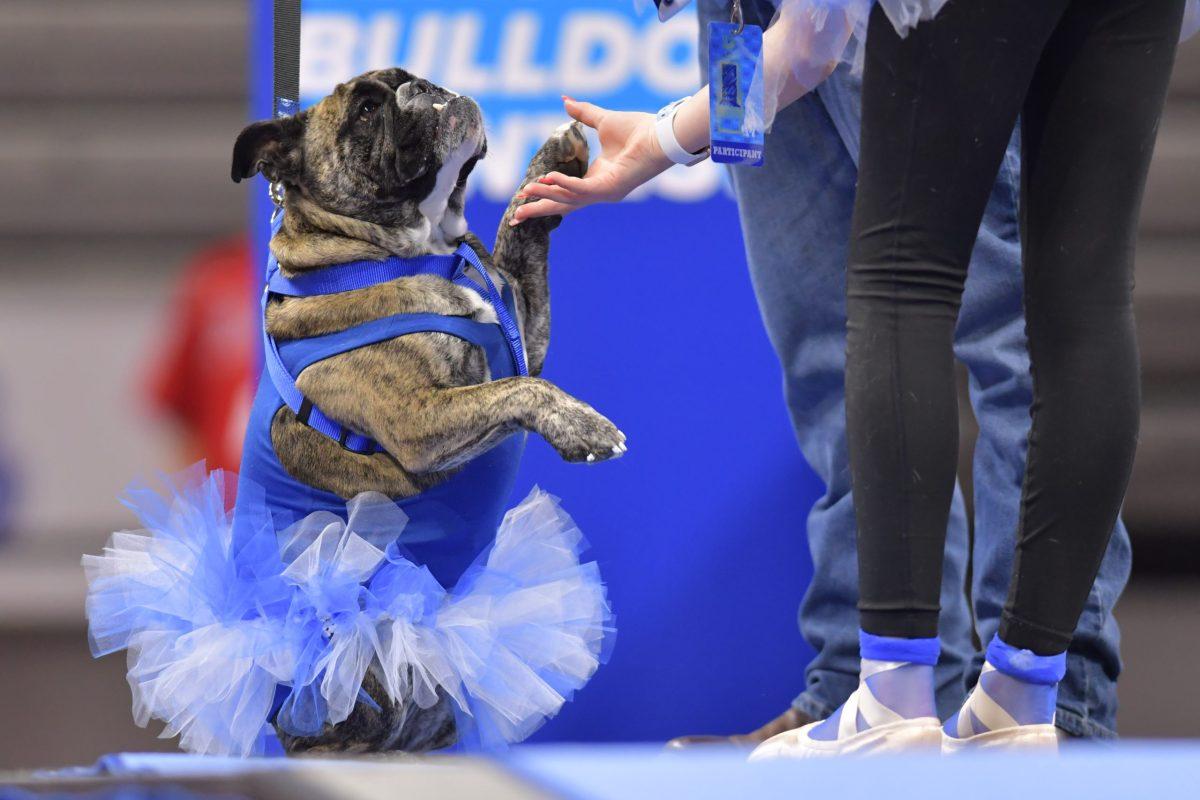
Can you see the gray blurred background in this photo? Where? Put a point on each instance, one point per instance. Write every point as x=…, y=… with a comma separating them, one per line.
x=114, y=167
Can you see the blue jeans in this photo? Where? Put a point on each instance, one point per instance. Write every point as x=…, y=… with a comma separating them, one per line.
x=795, y=216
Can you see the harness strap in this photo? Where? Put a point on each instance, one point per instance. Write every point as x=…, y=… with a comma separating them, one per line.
x=508, y=325
x=304, y=409
x=299, y=354
x=361, y=275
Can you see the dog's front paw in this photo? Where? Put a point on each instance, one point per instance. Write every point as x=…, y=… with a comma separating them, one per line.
x=580, y=433
x=566, y=151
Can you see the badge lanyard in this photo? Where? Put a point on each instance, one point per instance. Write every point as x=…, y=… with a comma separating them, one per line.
x=735, y=90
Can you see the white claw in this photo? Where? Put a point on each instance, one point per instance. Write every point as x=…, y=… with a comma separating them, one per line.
x=438, y=106
x=591, y=457
x=618, y=450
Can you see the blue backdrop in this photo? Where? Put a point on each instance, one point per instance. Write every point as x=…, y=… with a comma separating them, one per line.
x=699, y=529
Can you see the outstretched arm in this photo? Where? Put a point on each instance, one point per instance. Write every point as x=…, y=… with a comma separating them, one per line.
x=800, y=50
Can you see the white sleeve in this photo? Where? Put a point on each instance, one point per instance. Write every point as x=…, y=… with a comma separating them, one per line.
x=1191, y=20
x=807, y=39
x=905, y=14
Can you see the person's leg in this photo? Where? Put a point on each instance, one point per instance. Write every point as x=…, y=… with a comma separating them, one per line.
x=925, y=180
x=1089, y=125
x=796, y=264
x=990, y=340
x=841, y=96
x=796, y=251
x=932, y=144
x=926, y=171
x=1089, y=129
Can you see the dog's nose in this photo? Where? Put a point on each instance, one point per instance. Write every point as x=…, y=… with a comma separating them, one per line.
x=415, y=89
x=422, y=101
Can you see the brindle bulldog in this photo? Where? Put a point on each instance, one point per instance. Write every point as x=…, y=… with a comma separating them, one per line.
x=379, y=168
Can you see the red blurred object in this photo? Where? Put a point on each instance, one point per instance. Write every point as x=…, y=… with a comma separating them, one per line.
x=202, y=376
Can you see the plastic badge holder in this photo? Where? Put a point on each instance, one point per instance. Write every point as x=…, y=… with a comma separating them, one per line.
x=735, y=93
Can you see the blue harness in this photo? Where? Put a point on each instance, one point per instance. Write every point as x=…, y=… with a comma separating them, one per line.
x=449, y=524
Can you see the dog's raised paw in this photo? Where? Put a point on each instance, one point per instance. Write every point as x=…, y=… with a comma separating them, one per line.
x=566, y=151
x=581, y=434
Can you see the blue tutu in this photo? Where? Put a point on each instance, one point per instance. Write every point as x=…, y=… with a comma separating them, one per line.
x=228, y=633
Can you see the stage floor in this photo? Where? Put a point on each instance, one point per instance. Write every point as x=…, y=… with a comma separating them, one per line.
x=1131, y=770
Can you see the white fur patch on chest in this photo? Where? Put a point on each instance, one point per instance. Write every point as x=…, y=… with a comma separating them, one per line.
x=445, y=226
x=481, y=310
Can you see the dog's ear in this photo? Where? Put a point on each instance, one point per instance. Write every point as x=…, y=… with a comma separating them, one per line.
x=271, y=147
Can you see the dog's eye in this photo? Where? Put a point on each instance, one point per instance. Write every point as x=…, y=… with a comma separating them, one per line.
x=368, y=108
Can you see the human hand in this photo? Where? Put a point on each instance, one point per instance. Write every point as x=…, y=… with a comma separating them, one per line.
x=629, y=156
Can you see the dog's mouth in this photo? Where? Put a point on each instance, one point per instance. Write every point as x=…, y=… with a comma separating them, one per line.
x=458, y=118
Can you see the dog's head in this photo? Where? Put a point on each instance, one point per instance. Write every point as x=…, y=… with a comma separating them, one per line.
x=386, y=147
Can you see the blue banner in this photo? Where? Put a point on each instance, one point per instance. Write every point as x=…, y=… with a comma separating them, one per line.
x=699, y=529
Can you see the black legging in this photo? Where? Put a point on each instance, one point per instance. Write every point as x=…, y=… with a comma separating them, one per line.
x=1088, y=79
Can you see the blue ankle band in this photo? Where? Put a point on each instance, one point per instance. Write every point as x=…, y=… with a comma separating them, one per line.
x=893, y=648
x=1025, y=665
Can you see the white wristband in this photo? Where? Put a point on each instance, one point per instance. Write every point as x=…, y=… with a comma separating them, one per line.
x=664, y=128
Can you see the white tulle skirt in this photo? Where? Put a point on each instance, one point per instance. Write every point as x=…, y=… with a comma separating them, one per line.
x=228, y=627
